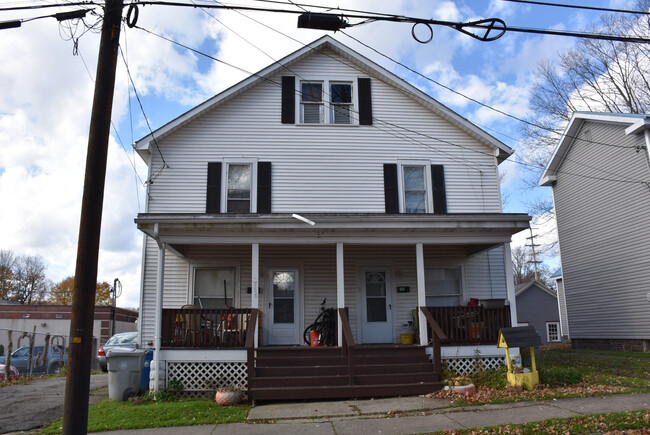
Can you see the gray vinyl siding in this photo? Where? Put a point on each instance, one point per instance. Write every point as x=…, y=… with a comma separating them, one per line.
x=322, y=168
x=604, y=232
x=536, y=307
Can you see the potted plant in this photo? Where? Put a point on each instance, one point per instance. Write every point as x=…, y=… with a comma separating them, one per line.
x=227, y=396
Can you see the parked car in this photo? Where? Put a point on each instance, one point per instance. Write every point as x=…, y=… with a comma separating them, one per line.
x=127, y=340
x=57, y=357
x=14, y=373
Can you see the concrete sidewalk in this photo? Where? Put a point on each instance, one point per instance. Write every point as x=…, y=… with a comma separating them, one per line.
x=402, y=415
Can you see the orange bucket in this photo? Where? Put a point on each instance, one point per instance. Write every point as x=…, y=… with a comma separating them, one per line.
x=314, y=338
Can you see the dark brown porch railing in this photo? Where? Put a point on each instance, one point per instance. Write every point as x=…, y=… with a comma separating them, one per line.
x=437, y=336
x=471, y=325
x=205, y=328
x=250, y=348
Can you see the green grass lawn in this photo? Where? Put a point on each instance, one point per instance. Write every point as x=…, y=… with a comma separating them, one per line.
x=600, y=423
x=628, y=369
x=109, y=415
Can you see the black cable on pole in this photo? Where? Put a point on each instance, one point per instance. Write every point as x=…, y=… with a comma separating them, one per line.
x=591, y=8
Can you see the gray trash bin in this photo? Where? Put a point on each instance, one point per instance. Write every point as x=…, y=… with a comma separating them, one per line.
x=124, y=373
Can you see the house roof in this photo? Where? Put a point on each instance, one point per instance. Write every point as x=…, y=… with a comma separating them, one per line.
x=521, y=288
x=557, y=274
x=632, y=122
x=501, y=150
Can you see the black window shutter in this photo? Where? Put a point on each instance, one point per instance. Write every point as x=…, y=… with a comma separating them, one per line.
x=213, y=198
x=391, y=197
x=438, y=188
x=288, y=100
x=365, y=102
x=264, y=187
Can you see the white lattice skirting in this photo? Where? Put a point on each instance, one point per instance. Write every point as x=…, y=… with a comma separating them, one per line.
x=202, y=379
x=465, y=365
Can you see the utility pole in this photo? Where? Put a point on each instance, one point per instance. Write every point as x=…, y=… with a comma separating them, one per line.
x=532, y=246
x=115, y=283
x=75, y=408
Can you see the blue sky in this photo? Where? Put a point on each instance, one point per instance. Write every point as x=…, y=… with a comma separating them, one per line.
x=47, y=96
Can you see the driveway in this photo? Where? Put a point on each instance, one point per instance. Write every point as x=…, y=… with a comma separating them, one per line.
x=39, y=402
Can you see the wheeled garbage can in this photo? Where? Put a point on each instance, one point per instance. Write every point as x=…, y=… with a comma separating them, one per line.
x=124, y=373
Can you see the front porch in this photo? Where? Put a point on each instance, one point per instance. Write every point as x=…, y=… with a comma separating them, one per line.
x=300, y=372
x=374, y=271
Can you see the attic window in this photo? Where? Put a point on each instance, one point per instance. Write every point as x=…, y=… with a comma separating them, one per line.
x=311, y=103
x=341, y=103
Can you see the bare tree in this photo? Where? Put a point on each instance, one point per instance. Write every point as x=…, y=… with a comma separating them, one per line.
x=30, y=282
x=524, y=269
x=594, y=75
x=7, y=264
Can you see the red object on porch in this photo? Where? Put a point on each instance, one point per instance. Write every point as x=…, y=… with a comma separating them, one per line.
x=473, y=302
x=314, y=338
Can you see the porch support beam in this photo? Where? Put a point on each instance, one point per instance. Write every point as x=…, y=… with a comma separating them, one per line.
x=510, y=284
x=255, y=283
x=422, y=300
x=340, y=289
x=158, y=315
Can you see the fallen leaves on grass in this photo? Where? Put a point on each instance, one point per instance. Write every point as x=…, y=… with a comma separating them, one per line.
x=491, y=395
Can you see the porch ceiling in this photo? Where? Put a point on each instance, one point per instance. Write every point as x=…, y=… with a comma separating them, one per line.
x=466, y=229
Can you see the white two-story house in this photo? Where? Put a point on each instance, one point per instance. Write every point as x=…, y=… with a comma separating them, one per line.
x=323, y=176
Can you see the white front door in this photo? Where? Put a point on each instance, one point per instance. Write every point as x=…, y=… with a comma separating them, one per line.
x=283, y=302
x=376, y=307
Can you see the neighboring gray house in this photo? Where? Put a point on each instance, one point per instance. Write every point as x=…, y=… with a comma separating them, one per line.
x=537, y=307
x=600, y=174
x=322, y=176
x=561, y=303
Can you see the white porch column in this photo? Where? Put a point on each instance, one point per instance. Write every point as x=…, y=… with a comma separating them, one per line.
x=422, y=299
x=255, y=283
x=510, y=284
x=158, y=315
x=340, y=289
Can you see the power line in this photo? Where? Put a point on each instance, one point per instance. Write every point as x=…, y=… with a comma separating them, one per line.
x=404, y=137
x=592, y=8
x=488, y=25
x=54, y=5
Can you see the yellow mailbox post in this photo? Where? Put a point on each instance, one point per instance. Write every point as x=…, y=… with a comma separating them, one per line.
x=521, y=336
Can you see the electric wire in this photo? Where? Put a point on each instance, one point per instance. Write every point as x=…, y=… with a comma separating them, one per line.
x=486, y=25
x=146, y=118
x=528, y=165
x=592, y=8
x=115, y=130
x=480, y=103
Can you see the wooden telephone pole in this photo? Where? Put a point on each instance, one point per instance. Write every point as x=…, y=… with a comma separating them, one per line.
x=75, y=410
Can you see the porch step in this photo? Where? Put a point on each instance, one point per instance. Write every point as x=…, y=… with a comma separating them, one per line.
x=345, y=391
x=313, y=373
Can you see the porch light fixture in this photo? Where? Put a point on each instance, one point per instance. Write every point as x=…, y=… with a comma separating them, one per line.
x=304, y=219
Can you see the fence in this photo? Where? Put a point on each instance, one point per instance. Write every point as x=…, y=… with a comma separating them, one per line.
x=34, y=353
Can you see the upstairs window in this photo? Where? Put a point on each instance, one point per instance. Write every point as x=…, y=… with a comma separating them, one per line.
x=415, y=188
x=311, y=103
x=239, y=188
x=341, y=103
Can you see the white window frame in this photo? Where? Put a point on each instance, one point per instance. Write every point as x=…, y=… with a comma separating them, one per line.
x=328, y=108
x=224, y=182
x=350, y=105
x=462, y=297
x=548, y=332
x=427, y=183
x=236, y=297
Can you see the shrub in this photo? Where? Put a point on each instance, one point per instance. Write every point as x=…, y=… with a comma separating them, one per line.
x=559, y=376
x=490, y=378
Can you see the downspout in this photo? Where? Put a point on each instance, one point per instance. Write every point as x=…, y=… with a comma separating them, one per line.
x=159, y=298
